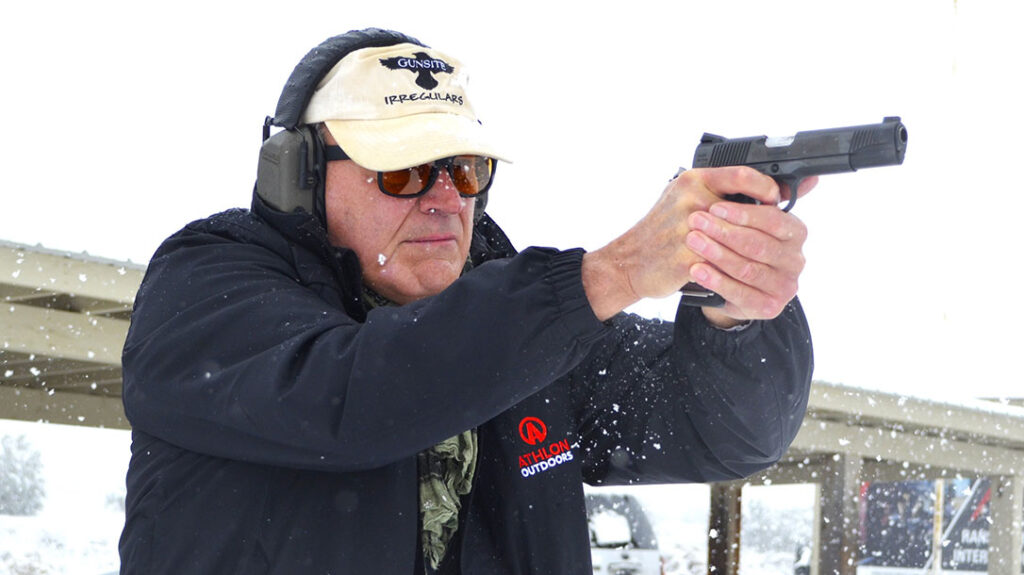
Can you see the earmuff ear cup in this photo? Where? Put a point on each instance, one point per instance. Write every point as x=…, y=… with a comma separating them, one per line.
x=287, y=175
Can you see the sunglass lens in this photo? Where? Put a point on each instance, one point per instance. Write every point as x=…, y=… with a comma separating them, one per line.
x=408, y=182
x=394, y=182
x=471, y=174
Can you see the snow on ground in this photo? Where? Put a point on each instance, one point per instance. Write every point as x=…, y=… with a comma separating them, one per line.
x=37, y=545
x=77, y=530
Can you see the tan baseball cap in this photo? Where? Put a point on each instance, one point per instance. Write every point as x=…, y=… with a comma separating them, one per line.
x=399, y=106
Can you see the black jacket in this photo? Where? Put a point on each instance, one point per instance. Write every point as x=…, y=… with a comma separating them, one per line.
x=276, y=423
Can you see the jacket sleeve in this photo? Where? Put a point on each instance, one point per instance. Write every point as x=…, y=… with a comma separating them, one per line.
x=686, y=402
x=228, y=354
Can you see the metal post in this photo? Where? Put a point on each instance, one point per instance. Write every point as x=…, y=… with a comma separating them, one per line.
x=840, y=490
x=1005, y=509
x=940, y=498
x=724, y=529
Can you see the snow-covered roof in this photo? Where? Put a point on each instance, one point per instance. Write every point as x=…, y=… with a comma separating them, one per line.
x=903, y=437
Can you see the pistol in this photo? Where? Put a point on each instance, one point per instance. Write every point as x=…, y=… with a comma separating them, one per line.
x=791, y=159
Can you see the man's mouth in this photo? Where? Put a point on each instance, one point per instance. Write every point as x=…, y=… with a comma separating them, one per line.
x=432, y=239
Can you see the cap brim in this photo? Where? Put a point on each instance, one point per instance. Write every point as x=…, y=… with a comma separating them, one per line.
x=399, y=143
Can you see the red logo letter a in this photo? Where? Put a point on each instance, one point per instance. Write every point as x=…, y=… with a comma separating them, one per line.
x=532, y=430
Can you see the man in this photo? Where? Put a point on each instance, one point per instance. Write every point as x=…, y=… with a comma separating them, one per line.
x=361, y=374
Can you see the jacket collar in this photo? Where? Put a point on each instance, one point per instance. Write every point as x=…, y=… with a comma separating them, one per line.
x=297, y=227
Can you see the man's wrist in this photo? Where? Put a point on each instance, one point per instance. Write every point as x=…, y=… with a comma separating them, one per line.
x=722, y=321
x=607, y=294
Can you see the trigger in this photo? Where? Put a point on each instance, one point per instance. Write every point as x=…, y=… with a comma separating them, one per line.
x=794, y=185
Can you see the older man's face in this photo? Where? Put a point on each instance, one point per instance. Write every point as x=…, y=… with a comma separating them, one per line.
x=409, y=248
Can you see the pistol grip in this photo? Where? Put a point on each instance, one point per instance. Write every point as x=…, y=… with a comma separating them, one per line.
x=696, y=295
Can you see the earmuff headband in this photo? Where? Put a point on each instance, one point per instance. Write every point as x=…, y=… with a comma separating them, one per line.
x=299, y=88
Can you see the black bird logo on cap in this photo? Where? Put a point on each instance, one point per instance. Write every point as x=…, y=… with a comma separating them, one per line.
x=422, y=65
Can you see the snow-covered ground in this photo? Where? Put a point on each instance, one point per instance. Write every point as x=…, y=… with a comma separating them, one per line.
x=38, y=545
x=77, y=530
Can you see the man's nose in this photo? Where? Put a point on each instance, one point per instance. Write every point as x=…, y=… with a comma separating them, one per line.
x=442, y=196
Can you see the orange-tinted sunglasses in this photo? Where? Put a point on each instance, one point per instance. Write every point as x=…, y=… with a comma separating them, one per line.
x=472, y=175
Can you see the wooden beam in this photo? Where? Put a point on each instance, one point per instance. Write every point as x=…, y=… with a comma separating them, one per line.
x=911, y=448
x=46, y=332
x=48, y=271
x=968, y=416
x=62, y=407
x=812, y=469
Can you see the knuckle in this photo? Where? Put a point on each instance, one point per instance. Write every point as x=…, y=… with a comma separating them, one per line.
x=795, y=233
x=762, y=251
x=741, y=295
x=800, y=233
x=800, y=261
x=775, y=306
x=776, y=303
x=691, y=176
x=687, y=256
x=736, y=177
x=751, y=179
x=789, y=289
x=747, y=176
x=735, y=173
x=691, y=179
x=685, y=193
x=771, y=304
x=751, y=273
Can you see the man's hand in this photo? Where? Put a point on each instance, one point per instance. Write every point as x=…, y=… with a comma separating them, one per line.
x=753, y=258
x=750, y=254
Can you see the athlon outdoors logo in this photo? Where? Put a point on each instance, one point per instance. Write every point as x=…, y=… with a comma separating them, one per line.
x=533, y=432
x=422, y=65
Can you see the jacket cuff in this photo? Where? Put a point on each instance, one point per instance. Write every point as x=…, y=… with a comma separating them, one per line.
x=565, y=276
x=698, y=329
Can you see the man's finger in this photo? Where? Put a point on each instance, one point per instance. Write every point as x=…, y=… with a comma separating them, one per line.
x=767, y=219
x=743, y=301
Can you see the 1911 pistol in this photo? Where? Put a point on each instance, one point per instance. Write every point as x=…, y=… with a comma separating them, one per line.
x=793, y=158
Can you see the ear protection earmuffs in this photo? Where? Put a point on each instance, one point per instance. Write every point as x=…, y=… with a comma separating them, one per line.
x=290, y=174
x=291, y=171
